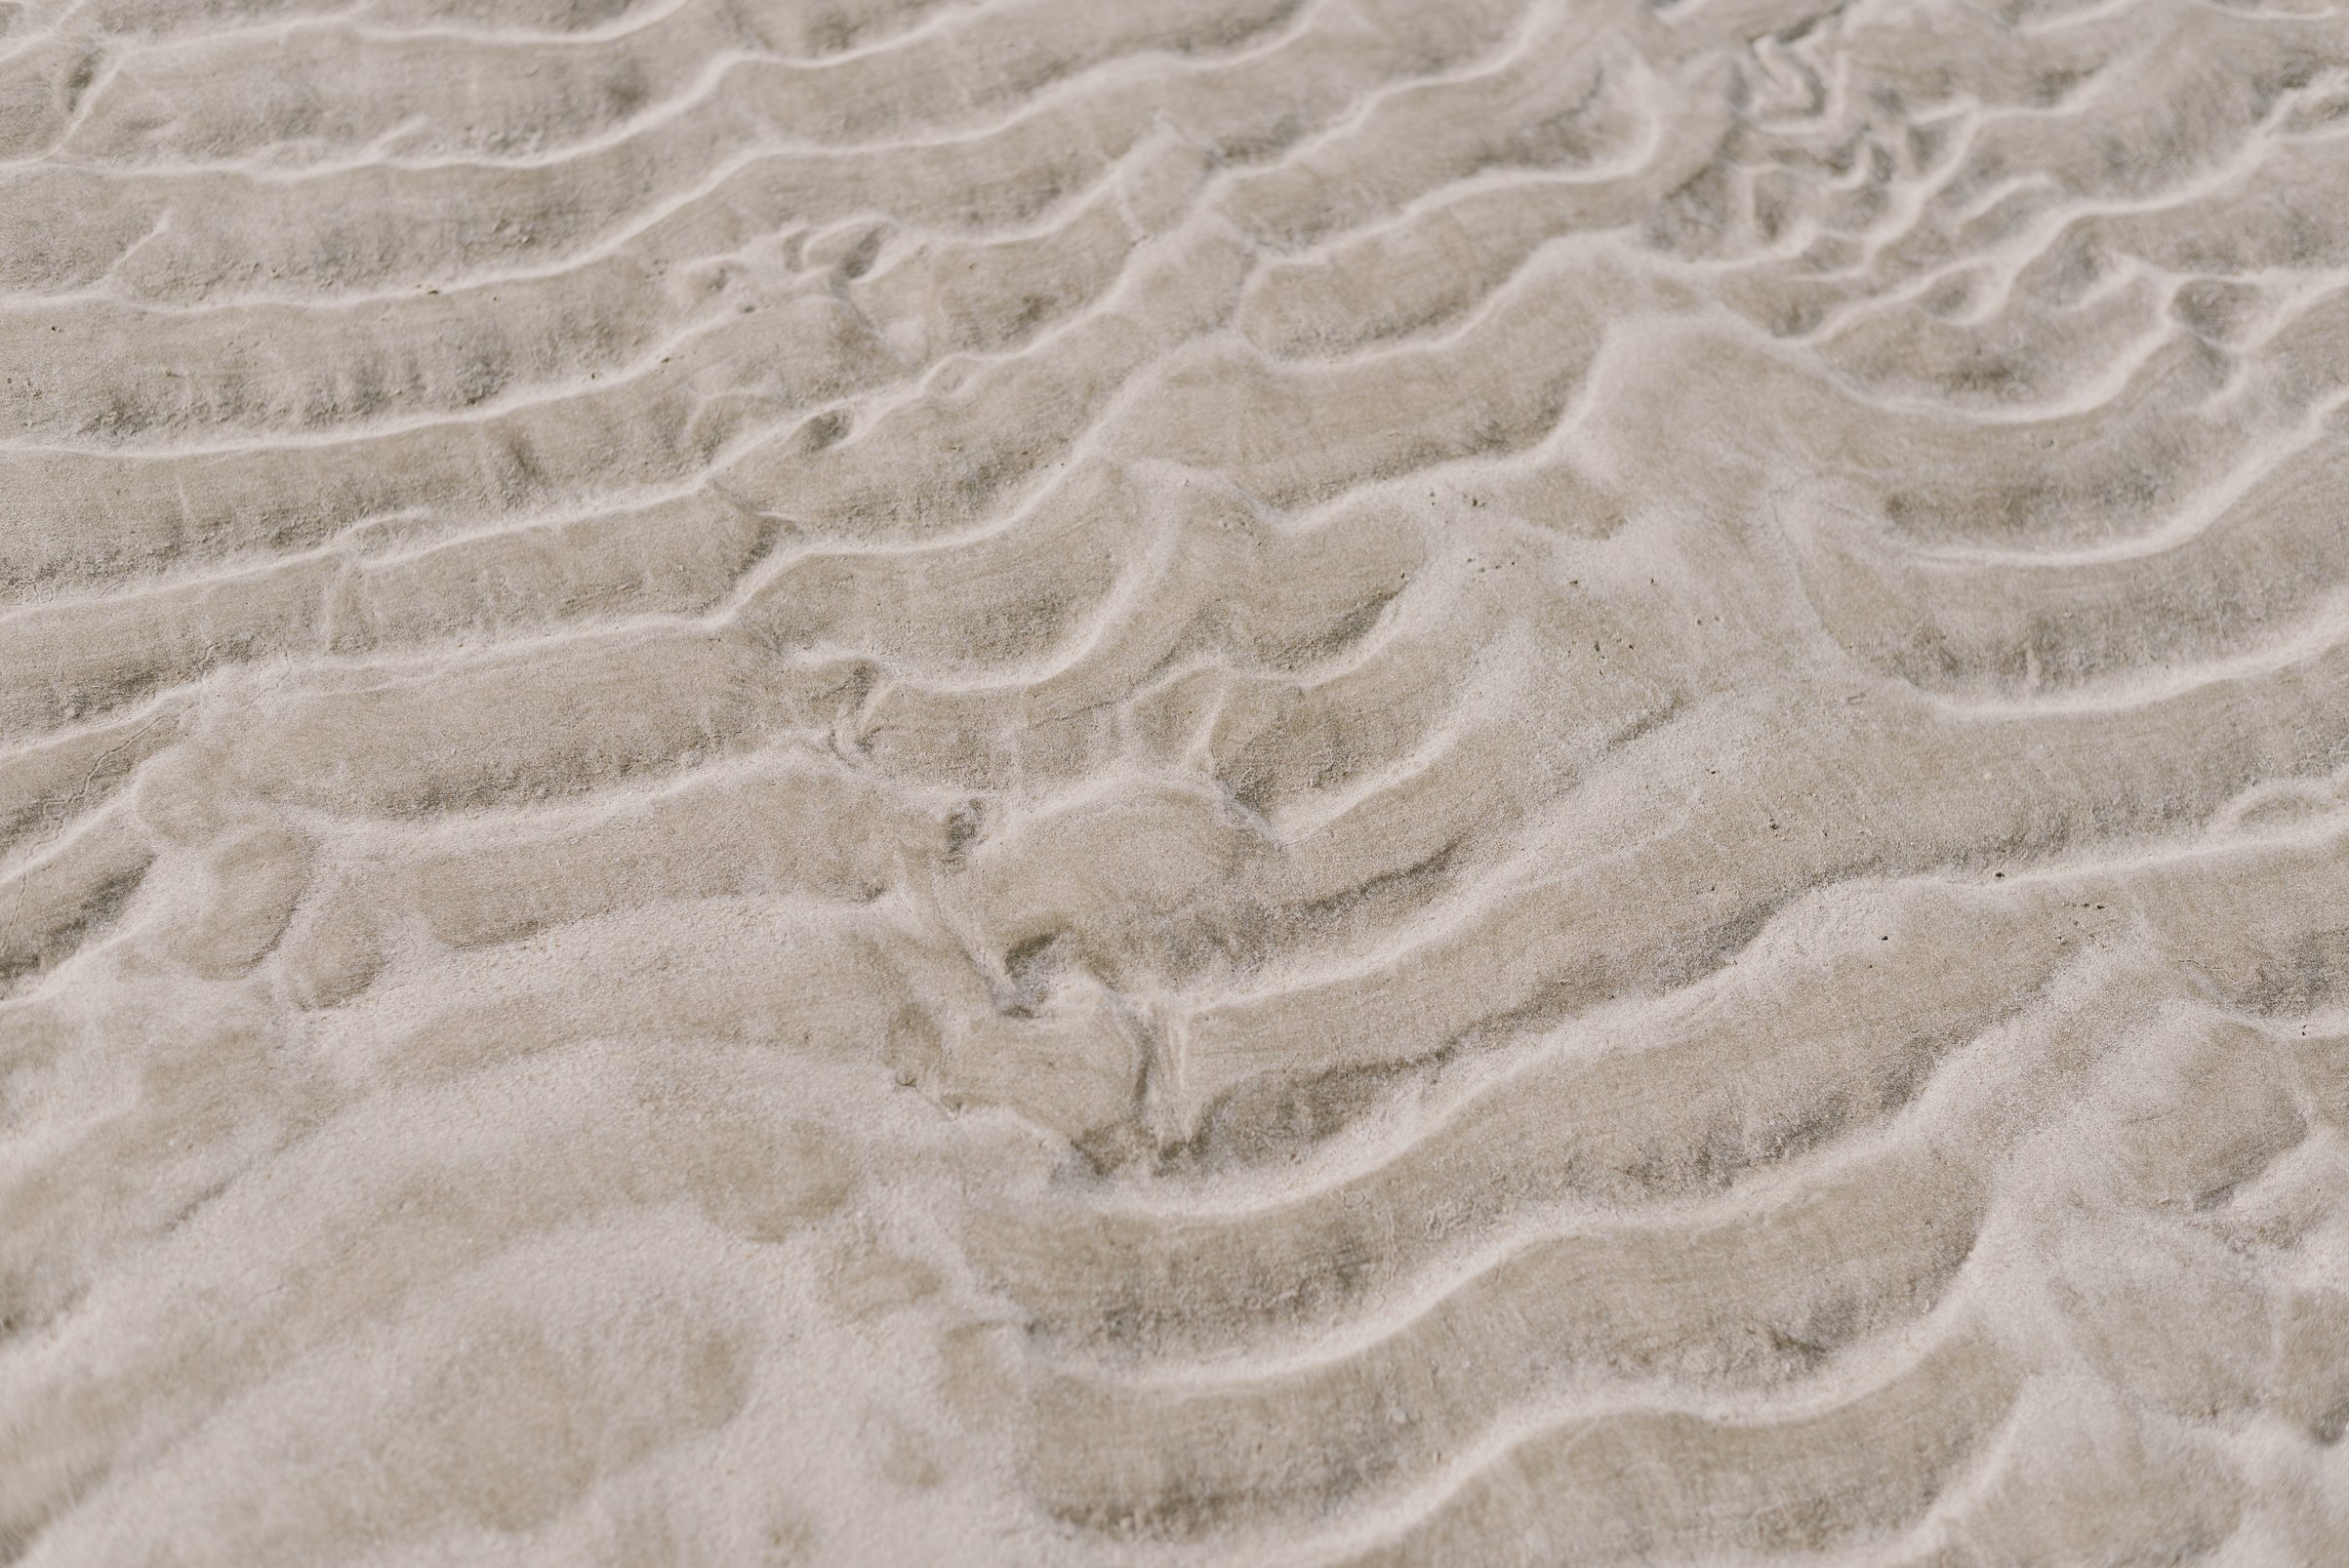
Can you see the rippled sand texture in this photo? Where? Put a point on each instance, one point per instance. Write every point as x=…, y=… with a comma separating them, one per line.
x=1213, y=780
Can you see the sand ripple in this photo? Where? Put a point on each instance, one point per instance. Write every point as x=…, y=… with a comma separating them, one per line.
x=1302, y=781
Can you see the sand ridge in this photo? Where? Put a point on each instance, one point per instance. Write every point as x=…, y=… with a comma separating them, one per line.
x=1290, y=780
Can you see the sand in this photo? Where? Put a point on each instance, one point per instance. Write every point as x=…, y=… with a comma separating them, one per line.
x=1173, y=782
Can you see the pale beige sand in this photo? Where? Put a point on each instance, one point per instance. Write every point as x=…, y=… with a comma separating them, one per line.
x=1173, y=781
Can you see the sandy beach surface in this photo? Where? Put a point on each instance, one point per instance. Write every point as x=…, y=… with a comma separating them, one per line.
x=1173, y=782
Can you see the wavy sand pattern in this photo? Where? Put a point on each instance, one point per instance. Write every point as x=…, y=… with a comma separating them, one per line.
x=1194, y=781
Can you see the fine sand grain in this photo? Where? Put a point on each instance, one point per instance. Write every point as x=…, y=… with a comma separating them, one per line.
x=1173, y=782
